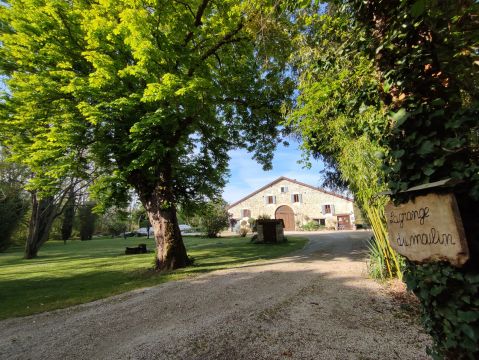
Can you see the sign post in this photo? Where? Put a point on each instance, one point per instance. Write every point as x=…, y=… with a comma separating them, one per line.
x=428, y=228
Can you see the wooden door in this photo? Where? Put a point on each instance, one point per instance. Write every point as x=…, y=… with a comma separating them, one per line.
x=344, y=222
x=286, y=213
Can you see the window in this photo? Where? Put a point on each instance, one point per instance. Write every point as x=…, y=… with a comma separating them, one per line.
x=296, y=198
x=269, y=199
x=327, y=209
x=245, y=213
x=322, y=222
x=284, y=189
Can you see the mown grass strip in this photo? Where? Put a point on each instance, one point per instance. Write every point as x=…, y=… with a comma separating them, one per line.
x=83, y=271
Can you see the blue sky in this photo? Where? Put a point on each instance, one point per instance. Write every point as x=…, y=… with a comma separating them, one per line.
x=248, y=176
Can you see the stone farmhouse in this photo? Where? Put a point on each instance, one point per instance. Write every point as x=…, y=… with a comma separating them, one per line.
x=297, y=204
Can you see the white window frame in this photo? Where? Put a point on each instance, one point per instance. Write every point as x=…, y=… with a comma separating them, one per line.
x=331, y=209
x=266, y=199
x=300, y=198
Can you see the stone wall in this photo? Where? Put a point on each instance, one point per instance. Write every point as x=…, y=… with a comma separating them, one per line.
x=278, y=226
x=310, y=206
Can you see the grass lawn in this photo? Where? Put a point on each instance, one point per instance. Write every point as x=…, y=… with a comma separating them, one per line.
x=82, y=271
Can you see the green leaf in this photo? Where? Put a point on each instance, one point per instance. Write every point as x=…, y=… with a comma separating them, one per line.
x=438, y=102
x=398, y=153
x=426, y=147
x=439, y=162
x=400, y=116
x=429, y=170
x=469, y=331
x=418, y=8
x=468, y=316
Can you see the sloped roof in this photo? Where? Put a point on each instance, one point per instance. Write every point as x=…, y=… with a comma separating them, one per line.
x=293, y=181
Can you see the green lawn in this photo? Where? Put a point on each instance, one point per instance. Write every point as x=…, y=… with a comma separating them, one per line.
x=83, y=271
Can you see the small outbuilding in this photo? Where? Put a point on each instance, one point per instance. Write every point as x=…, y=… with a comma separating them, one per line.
x=270, y=231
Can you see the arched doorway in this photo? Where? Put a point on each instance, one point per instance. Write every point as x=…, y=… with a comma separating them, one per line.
x=286, y=213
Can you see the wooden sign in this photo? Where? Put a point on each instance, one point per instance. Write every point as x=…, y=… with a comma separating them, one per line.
x=429, y=228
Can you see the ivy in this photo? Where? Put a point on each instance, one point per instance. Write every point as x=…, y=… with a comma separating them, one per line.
x=426, y=56
x=452, y=295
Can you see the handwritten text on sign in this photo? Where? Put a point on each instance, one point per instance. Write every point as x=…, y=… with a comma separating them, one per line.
x=428, y=229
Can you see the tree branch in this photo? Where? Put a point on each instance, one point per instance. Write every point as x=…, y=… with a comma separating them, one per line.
x=198, y=22
x=186, y=5
x=227, y=39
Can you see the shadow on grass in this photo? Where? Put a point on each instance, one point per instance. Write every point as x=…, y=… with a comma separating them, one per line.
x=86, y=271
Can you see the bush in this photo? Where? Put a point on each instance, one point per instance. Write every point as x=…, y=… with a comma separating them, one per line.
x=213, y=217
x=453, y=294
x=87, y=220
x=376, y=265
x=13, y=206
x=115, y=222
x=68, y=218
x=254, y=223
x=243, y=231
x=310, y=226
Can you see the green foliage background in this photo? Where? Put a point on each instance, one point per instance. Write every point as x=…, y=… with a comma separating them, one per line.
x=339, y=116
x=426, y=56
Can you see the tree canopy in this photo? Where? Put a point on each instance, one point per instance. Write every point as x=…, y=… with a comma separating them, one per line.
x=150, y=94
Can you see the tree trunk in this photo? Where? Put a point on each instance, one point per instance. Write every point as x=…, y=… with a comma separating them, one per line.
x=170, y=250
x=43, y=214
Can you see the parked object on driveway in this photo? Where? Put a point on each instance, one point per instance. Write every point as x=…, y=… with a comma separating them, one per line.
x=140, y=249
x=185, y=228
x=144, y=231
x=139, y=232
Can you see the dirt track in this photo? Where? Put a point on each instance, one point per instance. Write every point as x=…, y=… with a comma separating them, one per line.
x=314, y=304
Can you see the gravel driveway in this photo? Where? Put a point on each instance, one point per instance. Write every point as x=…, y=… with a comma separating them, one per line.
x=315, y=304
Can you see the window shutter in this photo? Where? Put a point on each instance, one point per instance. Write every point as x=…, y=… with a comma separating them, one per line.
x=265, y=199
x=285, y=189
x=332, y=210
x=292, y=198
x=323, y=209
x=274, y=199
x=300, y=198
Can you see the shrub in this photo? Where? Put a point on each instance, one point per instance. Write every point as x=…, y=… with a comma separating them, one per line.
x=376, y=265
x=310, y=226
x=13, y=206
x=213, y=217
x=115, y=222
x=243, y=231
x=87, y=220
x=452, y=293
x=260, y=217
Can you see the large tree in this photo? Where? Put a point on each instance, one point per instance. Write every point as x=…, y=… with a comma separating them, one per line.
x=154, y=92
